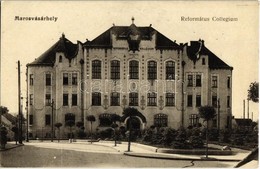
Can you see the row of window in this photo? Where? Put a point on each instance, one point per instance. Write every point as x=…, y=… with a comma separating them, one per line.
x=68, y=78
x=214, y=81
x=198, y=101
x=133, y=99
x=133, y=69
x=74, y=99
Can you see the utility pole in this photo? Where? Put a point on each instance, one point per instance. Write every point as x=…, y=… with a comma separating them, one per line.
x=218, y=116
x=244, y=111
x=27, y=115
x=248, y=108
x=52, y=119
x=19, y=106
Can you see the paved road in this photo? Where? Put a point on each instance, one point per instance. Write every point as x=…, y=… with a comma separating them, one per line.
x=57, y=155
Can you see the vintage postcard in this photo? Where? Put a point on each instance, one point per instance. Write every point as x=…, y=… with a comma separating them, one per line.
x=129, y=84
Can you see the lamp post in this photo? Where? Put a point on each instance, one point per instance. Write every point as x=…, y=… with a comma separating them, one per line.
x=52, y=119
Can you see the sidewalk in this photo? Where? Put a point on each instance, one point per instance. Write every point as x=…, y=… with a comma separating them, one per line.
x=10, y=145
x=140, y=150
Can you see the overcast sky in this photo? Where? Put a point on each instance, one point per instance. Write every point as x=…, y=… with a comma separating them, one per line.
x=236, y=42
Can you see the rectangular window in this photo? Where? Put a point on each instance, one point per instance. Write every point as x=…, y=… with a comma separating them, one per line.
x=74, y=79
x=214, y=101
x=30, y=119
x=74, y=99
x=47, y=119
x=48, y=79
x=160, y=120
x=133, y=69
x=228, y=101
x=214, y=81
x=170, y=70
x=194, y=119
x=198, y=80
x=170, y=101
x=152, y=70
x=65, y=99
x=115, y=69
x=228, y=82
x=190, y=80
x=198, y=100
x=189, y=104
x=48, y=100
x=152, y=101
x=65, y=79
x=96, y=99
x=31, y=99
x=115, y=99
x=133, y=99
x=31, y=79
x=96, y=69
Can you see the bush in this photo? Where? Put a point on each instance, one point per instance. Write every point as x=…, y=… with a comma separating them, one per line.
x=180, y=141
x=196, y=139
x=148, y=134
x=107, y=133
x=213, y=134
x=225, y=136
x=169, y=136
x=81, y=134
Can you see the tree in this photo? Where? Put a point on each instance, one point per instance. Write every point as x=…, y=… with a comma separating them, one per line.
x=114, y=119
x=3, y=110
x=70, y=123
x=58, y=125
x=130, y=112
x=91, y=119
x=207, y=113
x=253, y=93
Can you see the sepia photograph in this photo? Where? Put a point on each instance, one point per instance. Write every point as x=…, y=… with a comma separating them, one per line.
x=129, y=84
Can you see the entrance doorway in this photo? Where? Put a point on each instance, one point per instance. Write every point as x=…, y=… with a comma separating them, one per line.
x=136, y=124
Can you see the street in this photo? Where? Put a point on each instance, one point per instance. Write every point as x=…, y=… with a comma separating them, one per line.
x=82, y=155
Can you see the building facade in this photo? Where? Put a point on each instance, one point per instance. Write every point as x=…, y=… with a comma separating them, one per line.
x=127, y=66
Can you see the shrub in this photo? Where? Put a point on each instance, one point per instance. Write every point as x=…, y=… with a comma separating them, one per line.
x=225, y=136
x=196, y=139
x=180, y=141
x=213, y=134
x=169, y=136
x=81, y=134
x=107, y=133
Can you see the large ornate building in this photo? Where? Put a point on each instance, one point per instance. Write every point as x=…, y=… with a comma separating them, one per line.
x=127, y=66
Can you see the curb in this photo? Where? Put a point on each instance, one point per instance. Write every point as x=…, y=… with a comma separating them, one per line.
x=157, y=156
x=19, y=145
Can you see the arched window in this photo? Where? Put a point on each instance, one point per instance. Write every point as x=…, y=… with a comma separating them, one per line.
x=105, y=120
x=170, y=70
x=134, y=69
x=152, y=70
x=115, y=69
x=69, y=118
x=96, y=69
x=160, y=120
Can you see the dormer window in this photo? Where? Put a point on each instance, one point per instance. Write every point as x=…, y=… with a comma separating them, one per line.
x=203, y=61
x=60, y=59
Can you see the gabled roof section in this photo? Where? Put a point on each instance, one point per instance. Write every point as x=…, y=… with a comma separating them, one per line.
x=104, y=40
x=198, y=48
x=64, y=45
x=243, y=122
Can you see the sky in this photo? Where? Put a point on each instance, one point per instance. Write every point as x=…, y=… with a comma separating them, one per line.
x=236, y=42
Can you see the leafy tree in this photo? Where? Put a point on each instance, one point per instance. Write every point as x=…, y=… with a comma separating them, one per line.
x=91, y=119
x=253, y=93
x=3, y=110
x=130, y=112
x=207, y=113
x=58, y=125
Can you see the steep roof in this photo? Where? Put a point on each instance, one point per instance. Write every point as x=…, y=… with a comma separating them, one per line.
x=122, y=32
x=62, y=45
x=199, y=48
x=10, y=117
x=243, y=122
